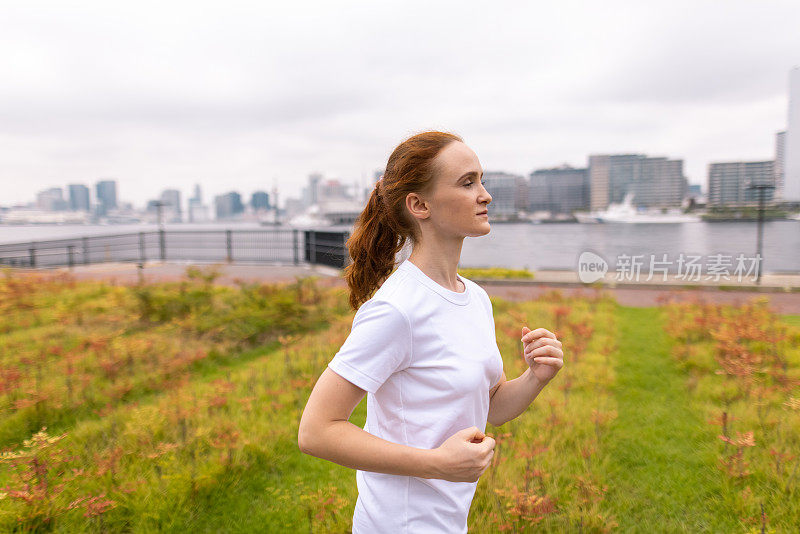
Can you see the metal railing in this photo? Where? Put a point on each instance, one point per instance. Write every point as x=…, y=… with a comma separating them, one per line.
x=282, y=246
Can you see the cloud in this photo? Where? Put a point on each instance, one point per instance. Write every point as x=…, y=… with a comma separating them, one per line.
x=236, y=96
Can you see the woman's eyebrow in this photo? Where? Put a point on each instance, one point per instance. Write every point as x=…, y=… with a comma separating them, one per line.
x=471, y=173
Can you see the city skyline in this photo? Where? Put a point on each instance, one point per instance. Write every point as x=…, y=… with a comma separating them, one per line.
x=252, y=97
x=355, y=190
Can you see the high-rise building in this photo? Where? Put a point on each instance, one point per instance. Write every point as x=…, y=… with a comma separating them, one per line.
x=780, y=164
x=106, y=194
x=51, y=200
x=229, y=205
x=791, y=180
x=171, y=199
x=654, y=182
x=197, y=212
x=559, y=190
x=661, y=183
x=331, y=189
x=79, y=197
x=509, y=193
x=259, y=201
x=728, y=182
x=311, y=191
x=198, y=194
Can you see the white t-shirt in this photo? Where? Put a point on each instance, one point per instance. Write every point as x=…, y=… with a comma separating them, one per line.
x=427, y=356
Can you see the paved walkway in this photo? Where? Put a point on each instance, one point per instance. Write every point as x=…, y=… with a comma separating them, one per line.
x=782, y=290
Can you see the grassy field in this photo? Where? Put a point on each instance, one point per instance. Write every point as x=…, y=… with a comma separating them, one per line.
x=174, y=408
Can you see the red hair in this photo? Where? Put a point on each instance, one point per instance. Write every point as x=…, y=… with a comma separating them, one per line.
x=381, y=230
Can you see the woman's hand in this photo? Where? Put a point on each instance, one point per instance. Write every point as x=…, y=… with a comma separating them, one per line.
x=464, y=456
x=542, y=353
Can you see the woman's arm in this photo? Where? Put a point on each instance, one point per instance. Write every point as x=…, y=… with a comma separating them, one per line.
x=326, y=433
x=543, y=354
x=513, y=397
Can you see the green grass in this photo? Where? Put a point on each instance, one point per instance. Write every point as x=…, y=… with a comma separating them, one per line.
x=267, y=492
x=661, y=457
x=495, y=273
x=793, y=320
x=658, y=458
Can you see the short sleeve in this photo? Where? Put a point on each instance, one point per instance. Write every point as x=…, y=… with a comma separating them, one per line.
x=378, y=345
x=487, y=304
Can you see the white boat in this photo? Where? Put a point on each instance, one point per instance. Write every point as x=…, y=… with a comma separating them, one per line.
x=626, y=212
x=312, y=218
x=587, y=218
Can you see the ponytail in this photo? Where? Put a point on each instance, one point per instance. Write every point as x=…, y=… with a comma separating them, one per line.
x=384, y=226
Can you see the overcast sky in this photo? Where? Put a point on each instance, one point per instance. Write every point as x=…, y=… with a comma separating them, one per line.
x=245, y=96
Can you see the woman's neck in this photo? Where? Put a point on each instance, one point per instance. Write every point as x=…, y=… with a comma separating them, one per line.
x=439, y=263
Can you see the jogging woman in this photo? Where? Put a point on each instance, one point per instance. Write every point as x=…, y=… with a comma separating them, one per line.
x=422, y=348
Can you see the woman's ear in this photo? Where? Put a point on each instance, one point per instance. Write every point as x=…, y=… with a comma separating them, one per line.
x=417, y=206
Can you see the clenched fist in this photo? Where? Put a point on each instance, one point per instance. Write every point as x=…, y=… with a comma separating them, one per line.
x=465, y=455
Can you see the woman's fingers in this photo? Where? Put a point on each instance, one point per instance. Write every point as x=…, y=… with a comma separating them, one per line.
x=544, y=350
x=539, y=332
x=541, y=342
x=549, y=361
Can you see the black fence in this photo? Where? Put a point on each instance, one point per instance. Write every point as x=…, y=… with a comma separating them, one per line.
x=281, y=246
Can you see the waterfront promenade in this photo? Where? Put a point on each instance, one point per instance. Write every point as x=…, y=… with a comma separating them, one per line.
x=782, y=290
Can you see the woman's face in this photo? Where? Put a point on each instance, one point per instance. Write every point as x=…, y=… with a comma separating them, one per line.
x=458, y=201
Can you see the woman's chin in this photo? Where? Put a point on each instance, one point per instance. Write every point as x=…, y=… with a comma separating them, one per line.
x=485, y=229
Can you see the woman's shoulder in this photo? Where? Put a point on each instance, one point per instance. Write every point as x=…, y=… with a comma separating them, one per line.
x=395, y=288
x=475, y=287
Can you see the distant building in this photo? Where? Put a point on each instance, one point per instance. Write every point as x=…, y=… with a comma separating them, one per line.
x=198, y=194
x=79, y=197
x=509, y=193
x=559, y=190
x=332, y=189
x=171, y=199
x=791, y=169
x=259, y=201
x=229, y=205
x=654, y=182
x=197, y=212
x=780, y=164
x=106, y=194
x=51, y=200
x=728, y=182
x=311, y=191
x=158, y=212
